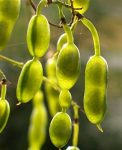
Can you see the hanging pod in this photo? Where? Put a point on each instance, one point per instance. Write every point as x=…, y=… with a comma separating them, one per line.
x=38, y=35
x=52, y=94
x=95, y=89
x=29, y=81
x=68, y=66
x=9, y=12
x=38, y=123
x=4, y=113
x=60, y=129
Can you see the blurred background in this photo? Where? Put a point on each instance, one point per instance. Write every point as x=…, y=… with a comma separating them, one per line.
x=107, y=17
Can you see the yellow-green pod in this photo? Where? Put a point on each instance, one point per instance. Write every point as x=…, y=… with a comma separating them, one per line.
x=52, y=94
x=60, y=129
x=68, y=66
x=65, y=99
x=72, y=148
x=29, y=81
x=9, y=12
x=95, y=89
x=38, y=123
x=38, y=35
x=51, y=68
x=4, y=113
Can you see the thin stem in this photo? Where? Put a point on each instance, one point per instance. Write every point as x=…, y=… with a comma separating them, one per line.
x=94, y=33
x=66, y=28
x=33, y=5
x=2, y=74
x=41, y=4
x=13, y=62
x=3, y=89
x=76, y=126
x=54, y=85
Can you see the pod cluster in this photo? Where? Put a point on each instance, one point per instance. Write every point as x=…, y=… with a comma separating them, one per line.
x=31, y=76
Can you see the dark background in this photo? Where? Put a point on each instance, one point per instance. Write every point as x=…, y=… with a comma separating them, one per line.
x=107, y=17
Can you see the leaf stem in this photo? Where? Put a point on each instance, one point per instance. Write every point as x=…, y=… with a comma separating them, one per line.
x=54, y=85
x=13, y=62
x=75, y=125
x=94, y=33
x=3, y=89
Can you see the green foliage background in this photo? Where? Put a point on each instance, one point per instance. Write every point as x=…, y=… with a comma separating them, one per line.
x=107, y=17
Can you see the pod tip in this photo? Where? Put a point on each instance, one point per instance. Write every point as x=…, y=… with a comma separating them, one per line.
x=99, y=128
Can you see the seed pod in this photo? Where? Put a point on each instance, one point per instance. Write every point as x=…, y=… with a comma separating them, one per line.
x=65, y=99
x=38, y=35
x=72, y=148
x=52, y=94
x=95, y=89
x=68, y=66
x=38, y=123
x=4, y=113
x=29, y=81
x=9, y=12
x=60, y=129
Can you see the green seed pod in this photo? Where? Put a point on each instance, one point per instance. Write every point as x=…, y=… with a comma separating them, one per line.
x=38, y=35
x=61, y=41
x=72, y=148
x=51, y=68
x=52, y=94
x=9, y=12
x=38, y=123
x=4, y=113
x=60, y=129
x=95, y=89
x=68, y=66
x=29, y=80
x=65, y=99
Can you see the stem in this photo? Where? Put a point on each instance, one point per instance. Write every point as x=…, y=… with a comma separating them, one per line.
x=33, y=5
x=41, y=4
x=13, y=62
x=67, y=29
x=3, y=89
x=94, y=33
x=2, y=74
x=74, y=24
x=55, y=86
x=76, y=125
